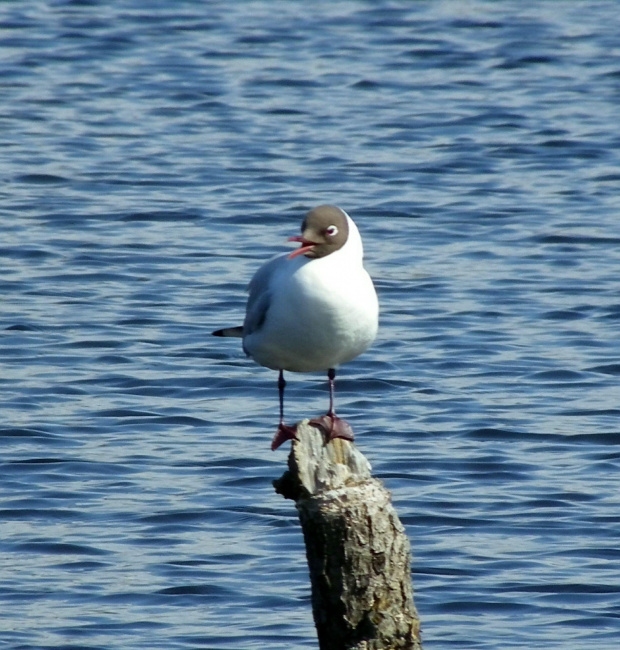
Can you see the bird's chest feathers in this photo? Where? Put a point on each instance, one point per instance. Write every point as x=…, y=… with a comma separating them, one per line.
x=323, y=291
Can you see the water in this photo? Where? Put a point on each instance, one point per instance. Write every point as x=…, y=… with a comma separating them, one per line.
x=152, y=154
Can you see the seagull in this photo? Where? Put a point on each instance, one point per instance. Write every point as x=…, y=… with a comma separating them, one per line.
x=311, y=310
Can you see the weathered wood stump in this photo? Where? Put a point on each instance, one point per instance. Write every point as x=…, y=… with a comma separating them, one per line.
x=357, y=550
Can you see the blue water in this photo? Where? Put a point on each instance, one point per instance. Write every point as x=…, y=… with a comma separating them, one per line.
x=152, y=154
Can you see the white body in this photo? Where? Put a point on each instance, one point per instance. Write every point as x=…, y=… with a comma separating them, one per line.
x=307, y=314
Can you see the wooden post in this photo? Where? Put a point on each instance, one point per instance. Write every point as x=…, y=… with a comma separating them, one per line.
x=357, y=550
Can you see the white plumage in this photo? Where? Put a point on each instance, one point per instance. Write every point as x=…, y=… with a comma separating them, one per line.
x=311, y=314
x=312, y=309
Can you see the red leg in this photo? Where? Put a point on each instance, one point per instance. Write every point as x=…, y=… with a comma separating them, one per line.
x=284, y=432
x=333, y=426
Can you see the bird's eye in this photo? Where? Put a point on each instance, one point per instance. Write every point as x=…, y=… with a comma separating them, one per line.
x=331, y=231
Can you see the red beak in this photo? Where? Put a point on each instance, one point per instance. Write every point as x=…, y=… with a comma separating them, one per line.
x=306, y=245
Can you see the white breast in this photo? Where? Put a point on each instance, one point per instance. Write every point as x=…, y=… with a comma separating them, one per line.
x=321, y=312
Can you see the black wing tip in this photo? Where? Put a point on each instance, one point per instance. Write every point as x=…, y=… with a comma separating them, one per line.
x=229, y=331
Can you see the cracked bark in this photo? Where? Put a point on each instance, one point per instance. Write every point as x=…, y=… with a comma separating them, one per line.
x=358, y=554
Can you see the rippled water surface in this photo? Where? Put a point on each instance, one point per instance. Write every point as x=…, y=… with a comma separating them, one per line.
x=152, y=154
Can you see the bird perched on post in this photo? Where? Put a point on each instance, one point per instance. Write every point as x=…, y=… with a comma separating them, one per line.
x=311, y=310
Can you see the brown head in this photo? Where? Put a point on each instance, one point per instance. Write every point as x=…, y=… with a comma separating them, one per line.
x=324, y=230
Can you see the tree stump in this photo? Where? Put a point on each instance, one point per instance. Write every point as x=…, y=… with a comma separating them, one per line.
x=358, y=554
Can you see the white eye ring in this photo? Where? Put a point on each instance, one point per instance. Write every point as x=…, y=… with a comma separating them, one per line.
x=331, y=231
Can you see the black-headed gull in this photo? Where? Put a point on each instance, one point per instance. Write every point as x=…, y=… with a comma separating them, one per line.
x=312, y=309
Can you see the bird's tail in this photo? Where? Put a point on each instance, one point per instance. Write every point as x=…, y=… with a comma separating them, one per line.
x=230, y=331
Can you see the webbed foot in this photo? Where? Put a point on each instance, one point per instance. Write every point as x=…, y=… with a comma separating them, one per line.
x=283, y=434
x=334, y=427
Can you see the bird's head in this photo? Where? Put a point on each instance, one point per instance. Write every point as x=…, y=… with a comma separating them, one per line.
x=324, y=231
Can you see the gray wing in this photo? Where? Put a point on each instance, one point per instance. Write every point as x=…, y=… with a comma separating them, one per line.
x=260, y=294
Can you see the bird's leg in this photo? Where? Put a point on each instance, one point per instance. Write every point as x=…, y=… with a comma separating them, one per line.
x=281, y=387
x=331, y=375
x=333, y=426
x=284, y=432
